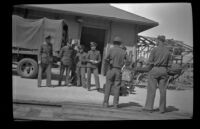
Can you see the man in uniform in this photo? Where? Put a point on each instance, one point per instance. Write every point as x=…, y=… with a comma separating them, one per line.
x=45, y=59
x=116, y=57
x=81, y=65
x=159, y=61
x=93, y=59
x=66, y=55
x=74, y=44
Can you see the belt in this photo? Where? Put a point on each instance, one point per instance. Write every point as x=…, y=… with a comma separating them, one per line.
x=160, y=66
x=117, y=68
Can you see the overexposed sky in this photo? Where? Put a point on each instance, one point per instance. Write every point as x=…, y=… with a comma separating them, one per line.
x=175, y=19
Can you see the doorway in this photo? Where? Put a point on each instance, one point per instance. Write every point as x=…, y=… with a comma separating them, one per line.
x=89, y=34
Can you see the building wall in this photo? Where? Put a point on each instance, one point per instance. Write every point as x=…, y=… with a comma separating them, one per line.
x=96, y=23
x=126, y=31
x=73, y=26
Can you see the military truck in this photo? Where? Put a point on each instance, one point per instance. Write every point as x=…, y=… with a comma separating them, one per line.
x=27, y=37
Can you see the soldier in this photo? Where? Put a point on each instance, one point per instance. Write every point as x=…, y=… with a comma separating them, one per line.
x=93, y=58
x=73, y=79
x=45, y=59
x=158, y=60
x=81, y=65
x=66, y=55
x=116, y=56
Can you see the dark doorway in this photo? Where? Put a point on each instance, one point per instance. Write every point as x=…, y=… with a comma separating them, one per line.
x=88, y=35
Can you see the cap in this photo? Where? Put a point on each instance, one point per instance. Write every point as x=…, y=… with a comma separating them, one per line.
x=161, y=38
x=93, y=44
x=74, y=41
x=117, y=39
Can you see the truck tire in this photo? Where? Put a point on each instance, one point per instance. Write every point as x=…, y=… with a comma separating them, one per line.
x=27, y=68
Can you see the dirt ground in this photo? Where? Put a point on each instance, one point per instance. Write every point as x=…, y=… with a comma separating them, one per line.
x=26, y=89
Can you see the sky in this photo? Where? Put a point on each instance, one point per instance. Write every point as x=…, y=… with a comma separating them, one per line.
x=175, y=19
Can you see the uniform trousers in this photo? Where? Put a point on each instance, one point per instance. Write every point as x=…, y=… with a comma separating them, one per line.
x=80, y=71
x=157, y=77
x=96, y=77
x=63, y=68
x=113, y=78
x=44, y=68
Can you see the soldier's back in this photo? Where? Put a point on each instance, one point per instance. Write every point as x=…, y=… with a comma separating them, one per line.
x=161, y=55
x=117, y=55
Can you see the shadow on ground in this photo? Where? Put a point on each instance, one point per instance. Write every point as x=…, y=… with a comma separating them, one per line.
x=122, y=105
x=171, y=109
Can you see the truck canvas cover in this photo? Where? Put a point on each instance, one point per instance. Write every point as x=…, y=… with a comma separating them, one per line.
x=31, y=34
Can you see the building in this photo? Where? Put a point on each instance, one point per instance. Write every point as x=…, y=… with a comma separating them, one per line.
x=92, y=22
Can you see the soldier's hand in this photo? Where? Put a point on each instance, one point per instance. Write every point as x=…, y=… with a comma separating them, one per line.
x=39, y=62
x=96, y=61
x=59, y=63
x=92, y=61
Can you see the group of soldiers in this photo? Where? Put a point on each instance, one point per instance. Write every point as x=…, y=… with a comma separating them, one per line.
x=116, y=57
x=72, y=59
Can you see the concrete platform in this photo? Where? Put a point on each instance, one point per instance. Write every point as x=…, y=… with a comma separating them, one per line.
x=180, y=102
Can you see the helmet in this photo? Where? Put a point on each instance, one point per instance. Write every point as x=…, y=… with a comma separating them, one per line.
x=117, y=39
x=93, y=44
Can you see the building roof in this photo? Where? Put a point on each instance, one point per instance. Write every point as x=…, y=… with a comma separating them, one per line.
x=99, y=10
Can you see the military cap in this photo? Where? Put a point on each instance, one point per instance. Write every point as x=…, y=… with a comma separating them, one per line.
x=117, y=39
x=93, y=44
x=161, y=38
x=48, y=37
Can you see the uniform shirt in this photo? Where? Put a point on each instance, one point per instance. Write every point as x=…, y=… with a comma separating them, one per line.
x=67, y=54
x=81, y=59
x=160, y=56
x=93, y=55
x=45, y=53
x=117, y=57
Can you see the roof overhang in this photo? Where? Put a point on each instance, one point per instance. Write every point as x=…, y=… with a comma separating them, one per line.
x=142, y=23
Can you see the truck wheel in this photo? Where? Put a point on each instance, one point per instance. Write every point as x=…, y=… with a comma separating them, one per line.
x=27, y=68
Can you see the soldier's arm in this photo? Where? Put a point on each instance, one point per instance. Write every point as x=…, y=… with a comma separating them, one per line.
x=60, y=53
x=107, y=56
x=127, y=57
x=76, y=57
x=170, y=60
x=51, y=51
x=99, y=57
x=39, y=53
x=151, y=57
x=88, y=56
